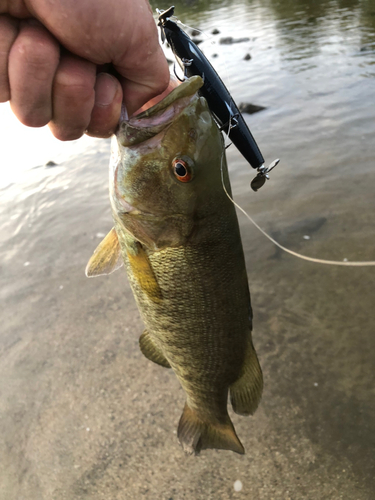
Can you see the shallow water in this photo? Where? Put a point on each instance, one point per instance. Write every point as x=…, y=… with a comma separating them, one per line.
x=65, y=363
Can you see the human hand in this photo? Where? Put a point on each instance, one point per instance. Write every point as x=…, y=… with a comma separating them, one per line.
x=53, y=57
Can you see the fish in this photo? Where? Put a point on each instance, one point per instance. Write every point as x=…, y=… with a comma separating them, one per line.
x=177, y=233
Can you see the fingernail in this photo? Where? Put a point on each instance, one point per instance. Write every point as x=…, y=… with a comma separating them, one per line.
x=105, y=89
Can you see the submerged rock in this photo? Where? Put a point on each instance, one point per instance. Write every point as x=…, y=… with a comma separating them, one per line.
x=247, y=57
x=51, y=164
x=215, y=31
x=228, y=40
x=197, y=41
x=246, y=107
x=195, y=32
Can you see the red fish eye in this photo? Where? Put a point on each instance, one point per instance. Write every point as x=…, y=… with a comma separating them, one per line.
x=181, y=170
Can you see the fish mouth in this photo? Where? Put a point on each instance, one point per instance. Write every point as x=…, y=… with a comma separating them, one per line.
x=154, y=120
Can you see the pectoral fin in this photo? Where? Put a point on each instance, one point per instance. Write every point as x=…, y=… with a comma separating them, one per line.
x=142, y=271
x=106, y=257
x=246, y=392
x=151, y=351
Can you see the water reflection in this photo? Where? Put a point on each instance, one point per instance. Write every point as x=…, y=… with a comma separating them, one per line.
x=302, y=26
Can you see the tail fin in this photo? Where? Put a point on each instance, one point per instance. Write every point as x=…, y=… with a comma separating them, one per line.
x=195, y=434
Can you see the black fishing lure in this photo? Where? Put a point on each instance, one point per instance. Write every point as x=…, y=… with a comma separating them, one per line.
x=225, y=111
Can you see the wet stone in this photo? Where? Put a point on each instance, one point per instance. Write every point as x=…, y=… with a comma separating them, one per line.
x=365, y=48
x=228, y=40
x=195, y=32
x=249, y=108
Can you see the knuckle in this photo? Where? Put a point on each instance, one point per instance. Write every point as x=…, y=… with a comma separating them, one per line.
x=73, y=85
x=37, y=57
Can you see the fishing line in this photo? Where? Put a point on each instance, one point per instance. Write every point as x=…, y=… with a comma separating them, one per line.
x=208, y=38
x=174, y=18
x=287, y=250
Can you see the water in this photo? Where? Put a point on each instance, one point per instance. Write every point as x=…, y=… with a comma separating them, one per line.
x=313, y=68
x=64, y=355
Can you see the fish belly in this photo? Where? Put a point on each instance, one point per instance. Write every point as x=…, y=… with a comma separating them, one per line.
x=203, y=321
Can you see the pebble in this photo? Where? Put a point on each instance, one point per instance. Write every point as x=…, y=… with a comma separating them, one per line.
x=246, y=107
x=227, y=40
x=237, y=485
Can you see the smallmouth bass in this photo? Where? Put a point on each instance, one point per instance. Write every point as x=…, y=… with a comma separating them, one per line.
x=177, y=233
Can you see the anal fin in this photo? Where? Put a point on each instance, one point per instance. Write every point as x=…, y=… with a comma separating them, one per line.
x=246, y=392
x=196, y=434
x=151, y=351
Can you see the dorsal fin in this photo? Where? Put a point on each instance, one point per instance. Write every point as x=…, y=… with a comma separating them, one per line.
x=106, y=257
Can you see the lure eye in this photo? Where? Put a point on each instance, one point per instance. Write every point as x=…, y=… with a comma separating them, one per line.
x=181, y=170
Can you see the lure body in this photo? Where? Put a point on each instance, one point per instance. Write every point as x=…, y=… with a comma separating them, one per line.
x=219, y=100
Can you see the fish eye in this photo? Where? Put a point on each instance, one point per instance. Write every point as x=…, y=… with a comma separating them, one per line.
x=181, y=170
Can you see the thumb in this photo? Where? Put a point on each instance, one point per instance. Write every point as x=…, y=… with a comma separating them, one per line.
x=145, y=81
